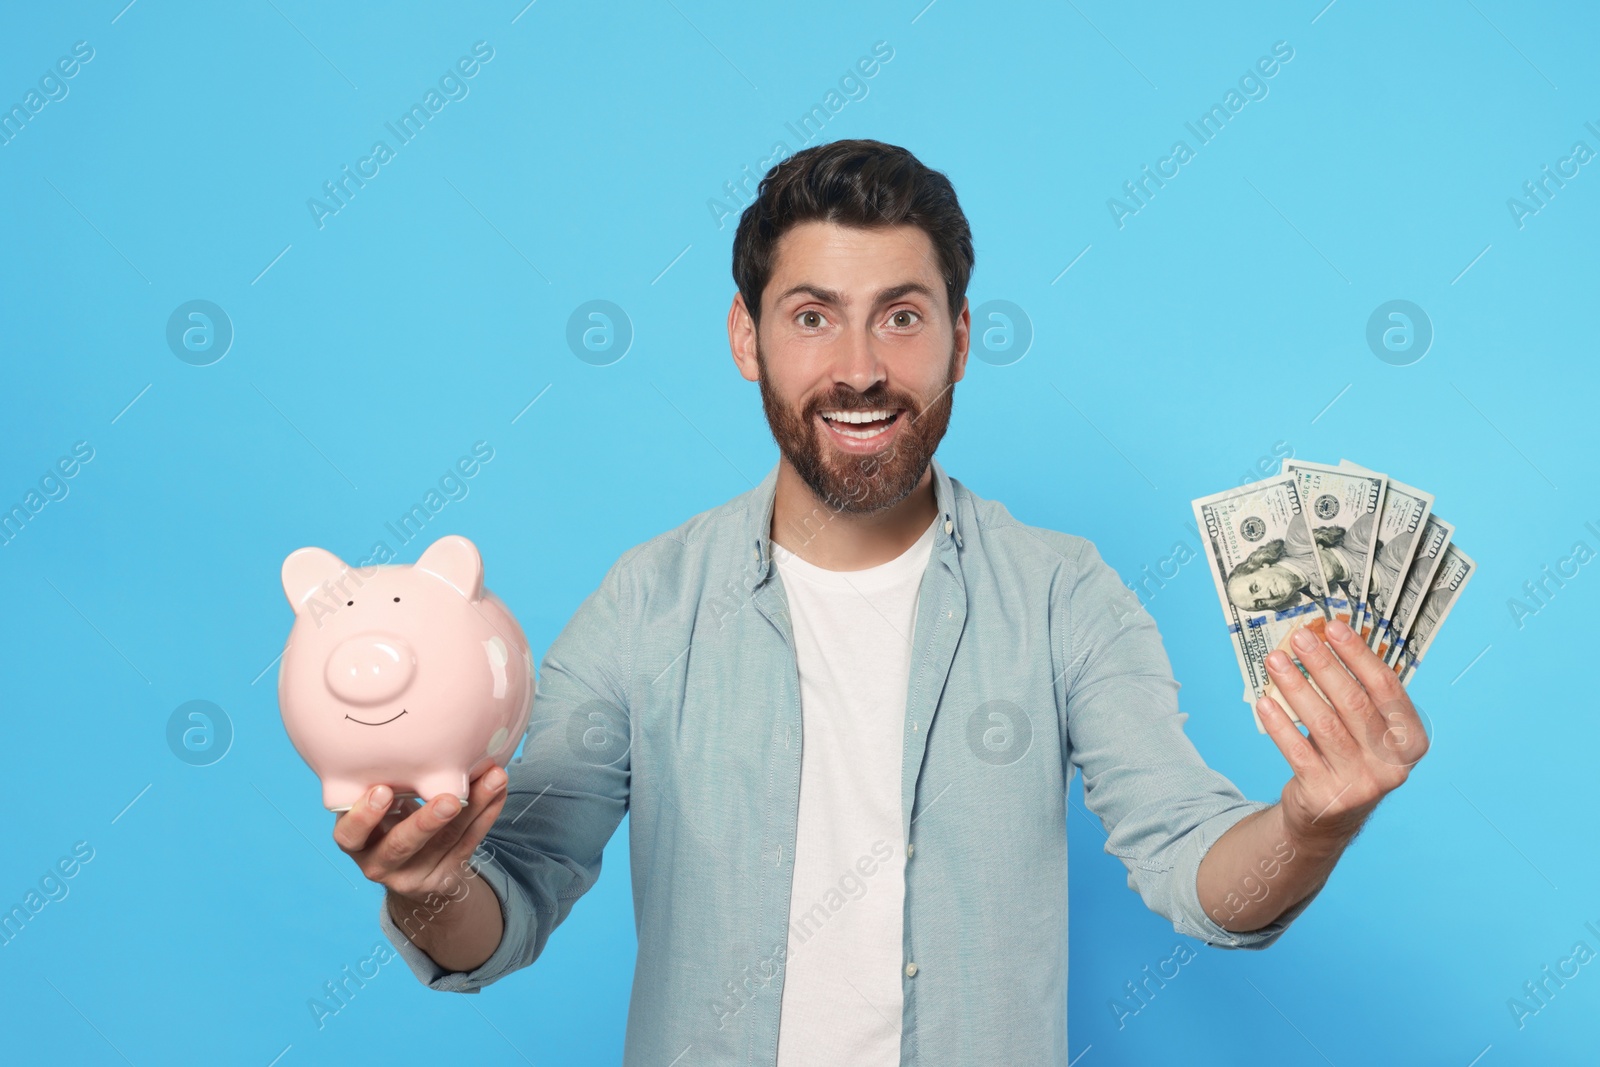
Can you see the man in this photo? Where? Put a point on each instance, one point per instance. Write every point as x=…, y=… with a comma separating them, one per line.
x=899, y=893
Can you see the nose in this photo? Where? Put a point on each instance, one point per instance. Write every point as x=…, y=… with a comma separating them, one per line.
x=371, y=668
x=858, y=363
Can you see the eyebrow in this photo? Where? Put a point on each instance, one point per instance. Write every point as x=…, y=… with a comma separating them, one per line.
x=836, y=298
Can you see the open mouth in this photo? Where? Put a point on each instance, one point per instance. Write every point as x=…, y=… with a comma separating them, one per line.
x=385, y=722
x=864, y=425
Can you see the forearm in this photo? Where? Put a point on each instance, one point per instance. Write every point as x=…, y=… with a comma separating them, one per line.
x=459, y=932
x=1258, y=870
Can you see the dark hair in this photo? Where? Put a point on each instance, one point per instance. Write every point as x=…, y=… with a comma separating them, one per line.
x=857, y=183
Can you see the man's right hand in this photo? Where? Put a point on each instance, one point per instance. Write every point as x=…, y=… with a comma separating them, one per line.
x=421, y=853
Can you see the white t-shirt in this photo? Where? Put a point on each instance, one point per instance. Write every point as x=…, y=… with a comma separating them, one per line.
x=842, y=995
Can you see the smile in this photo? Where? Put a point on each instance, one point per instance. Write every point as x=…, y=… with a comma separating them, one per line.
x=852, y=429
x=385, y=722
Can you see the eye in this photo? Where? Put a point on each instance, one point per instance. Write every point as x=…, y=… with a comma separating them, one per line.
x=397, y=600
x=349, y=603
x=811, y=314
x=904, y=311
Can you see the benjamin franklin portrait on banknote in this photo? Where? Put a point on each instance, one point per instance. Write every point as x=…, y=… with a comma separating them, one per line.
x=1277, y=576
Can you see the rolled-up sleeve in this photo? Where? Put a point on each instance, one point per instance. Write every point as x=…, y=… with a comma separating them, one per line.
x=567, y=791
x=1161, y=806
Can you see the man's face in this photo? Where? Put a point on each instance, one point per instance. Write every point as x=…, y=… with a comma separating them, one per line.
x=857, y=357
x=1272, y=587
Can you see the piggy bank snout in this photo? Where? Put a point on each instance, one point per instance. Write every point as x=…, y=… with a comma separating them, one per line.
x=370, y=668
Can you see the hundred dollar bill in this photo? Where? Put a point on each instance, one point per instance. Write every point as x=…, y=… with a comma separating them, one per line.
x=1400, y=524
x=1454, y=572
x=1259, y=549
x=1436, y=535
x=1342, y=507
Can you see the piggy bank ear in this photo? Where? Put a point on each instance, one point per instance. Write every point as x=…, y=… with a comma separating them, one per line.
x=304, y=572
x=456, y=560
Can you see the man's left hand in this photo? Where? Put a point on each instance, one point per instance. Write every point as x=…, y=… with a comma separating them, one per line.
x=1359, y=749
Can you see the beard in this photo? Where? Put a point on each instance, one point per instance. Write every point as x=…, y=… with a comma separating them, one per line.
x=866, y=482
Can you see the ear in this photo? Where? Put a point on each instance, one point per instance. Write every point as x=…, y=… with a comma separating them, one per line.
x=742, y=339
x=456, y=560
x=963, y=341
x=304, y=572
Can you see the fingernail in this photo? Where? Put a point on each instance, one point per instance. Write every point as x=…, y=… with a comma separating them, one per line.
x=447, y=806
x=379, y=798
x=1277, y=660
x=1305, y=640
x=1338, y=630
x=496, y=780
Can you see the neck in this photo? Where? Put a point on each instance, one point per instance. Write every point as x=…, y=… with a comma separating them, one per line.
x=844, y=540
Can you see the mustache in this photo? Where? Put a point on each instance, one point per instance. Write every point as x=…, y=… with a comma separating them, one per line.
x=858, y=402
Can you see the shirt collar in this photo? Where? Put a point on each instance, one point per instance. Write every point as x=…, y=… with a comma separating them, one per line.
x=758, y=515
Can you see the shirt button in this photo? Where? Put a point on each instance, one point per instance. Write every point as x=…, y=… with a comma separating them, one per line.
x=949, y=527
x=910, y=848
x=911, y=970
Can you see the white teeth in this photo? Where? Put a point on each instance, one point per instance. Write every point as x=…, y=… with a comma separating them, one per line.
x=857, y=416
x=861, y=435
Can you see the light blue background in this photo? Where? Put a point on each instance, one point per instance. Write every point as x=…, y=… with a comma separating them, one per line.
x=1225, y=317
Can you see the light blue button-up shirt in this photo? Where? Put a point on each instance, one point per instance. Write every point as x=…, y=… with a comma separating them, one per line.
x=673, y=694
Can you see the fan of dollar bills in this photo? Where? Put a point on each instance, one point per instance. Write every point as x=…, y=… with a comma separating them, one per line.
x=1317, y=542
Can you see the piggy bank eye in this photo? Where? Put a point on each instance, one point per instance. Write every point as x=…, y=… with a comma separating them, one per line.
x=397, y=600
x=349, y=603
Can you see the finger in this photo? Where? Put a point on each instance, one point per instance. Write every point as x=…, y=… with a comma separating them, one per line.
x=352, y=830
x=408, y=837
x=455, y=867
x=1328, y=733
x=475, y=830
x=1397, y=734
x=486, y=796
x=1286, y=645
x=1303, y=757
x=436, y=825
x=398, y=812
x=1347, y=692
x=1381, y=684
x=1356, y=712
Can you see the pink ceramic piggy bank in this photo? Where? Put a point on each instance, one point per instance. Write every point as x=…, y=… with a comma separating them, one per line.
x=412, y=676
